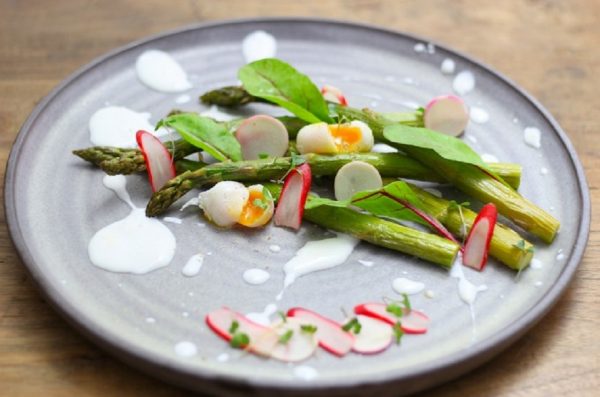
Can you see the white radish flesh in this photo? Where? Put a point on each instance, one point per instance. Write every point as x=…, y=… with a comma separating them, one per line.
x=447, y=114
x=315, y=138
x=329, y=333
x=473, y=256
x=333, y=94
x=262, y=135
x=290, y=207
x=300, y=346
x=374, y=336
x=159, y=163
x=355, y=177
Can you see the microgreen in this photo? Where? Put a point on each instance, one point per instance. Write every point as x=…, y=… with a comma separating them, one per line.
x=455, y=206
x=308, y=328
x=395, y=309
x=239, y=340
x=295, y=161
x=285, y=338
x=260, y=203
x=522, y=246
x=234, y=327
x=263, y=156
x=353, y=326
x=398, y=332
x=283, y=316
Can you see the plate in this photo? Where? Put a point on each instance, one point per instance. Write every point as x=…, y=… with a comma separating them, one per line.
x=55, y=203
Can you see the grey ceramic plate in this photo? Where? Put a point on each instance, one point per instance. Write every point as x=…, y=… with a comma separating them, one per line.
x=55, y=203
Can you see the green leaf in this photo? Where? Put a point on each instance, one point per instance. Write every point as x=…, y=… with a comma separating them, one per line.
x=352, y=326
x=395, y=309
x=388, y=201
x=308, y=328
x=446, y=146
x=206, y=134
x=285, y=338
x=239, y=340
x=315, y=201
x=234, y=327
x=406, y=302
x=278, y=82
x=398, y=332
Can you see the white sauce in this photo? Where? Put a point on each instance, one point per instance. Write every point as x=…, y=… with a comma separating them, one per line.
x=532, y=137
x=430, y=48
x=305, y=372
x=263, y=318
x=420, y=47
x=544, y=171
x=479, y=115
x=259, y=45
x=256, y=276
x=150, y=320
x=318, y=255
x=536, y=264
x=409, y=81
x=193, y=265
x=185, y=349
x=407, y=286
x=538, y=284
x=172, y=219
x=560, y=256
x=117, y=125
x=429, y=294
x=135, y=244
x=448, y=66
x=383, y=148
x=216, y=114
x=366, y=263
x=159, y=71
x=489, y=158
x=464, y=82
x=274, y=248
x=223, y=357
x=467, y=291
x=181, y=99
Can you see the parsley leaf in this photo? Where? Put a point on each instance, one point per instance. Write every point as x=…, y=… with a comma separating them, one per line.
x=352, y=326
x=285, y=338
x=239, y=340
x=308, y=328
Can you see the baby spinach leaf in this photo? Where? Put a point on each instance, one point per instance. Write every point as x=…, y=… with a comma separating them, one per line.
x=315, y=201
x=278, y=82
x=206, y=134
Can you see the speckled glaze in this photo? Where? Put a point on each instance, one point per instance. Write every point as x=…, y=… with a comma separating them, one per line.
x=55, y=203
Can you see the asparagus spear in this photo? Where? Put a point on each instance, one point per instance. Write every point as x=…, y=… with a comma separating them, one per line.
x=380, y=232
x=388, y=164
x=470, y=179
x=113, y=160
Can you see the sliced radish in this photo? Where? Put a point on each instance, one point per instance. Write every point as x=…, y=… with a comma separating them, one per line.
x=447, y=114
x=159, y=162
x=262, y=135
x=329, y=333
x=480, y=235
x=290, y=207
x=354, y=177
x=374, y=336
x=299, y=346
x=411, y=322
x=333, y=94
x=262, y=339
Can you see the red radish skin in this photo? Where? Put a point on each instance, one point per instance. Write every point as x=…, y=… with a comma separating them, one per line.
x=262, y=134
x=159, y=162
x=412, y=322
x=334, y=94
x=290, y=206
x=329, y=333
x=479, y=238
x=447, y=114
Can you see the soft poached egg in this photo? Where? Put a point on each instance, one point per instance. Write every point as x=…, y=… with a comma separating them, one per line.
x=324, y=138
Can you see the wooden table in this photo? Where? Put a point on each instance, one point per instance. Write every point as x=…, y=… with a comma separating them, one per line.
x=549, y=47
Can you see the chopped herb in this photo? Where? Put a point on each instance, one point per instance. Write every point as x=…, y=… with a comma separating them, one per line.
x=239, y=340
x=260, y=203
x=263, y=155
x=454, y=206
x=308, y=328
x=406, y=302
x=398, y=333
x=352, y=326
x=285, y=338
x=395, y=309
x=521, y=245
x=234, y=327
x=295, y=161
x=283, y=316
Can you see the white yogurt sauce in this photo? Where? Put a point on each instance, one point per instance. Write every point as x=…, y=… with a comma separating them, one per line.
x=259, y=45
x=185, y=349
x=318, y=255
x=448, y=66
x=532, y=137
x=366, y=263
x=383, y=148
x=117, y=125
x=264, y=317
x=479, y=115
x=135, y=244
x=193, y=265
x=214, y=113
x=181, y=99
x=489, y=158
x=305, y=372
x=536, y=264
x=429, y=294
x=407, y=286
x=464, y=82
x=467, y=291
x=274, y=248
x=223, y=357
x=420, y=47
x=256, y=276
x=159, y=71
x=544, y=171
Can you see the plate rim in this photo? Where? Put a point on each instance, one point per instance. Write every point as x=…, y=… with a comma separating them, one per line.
x=444, y=368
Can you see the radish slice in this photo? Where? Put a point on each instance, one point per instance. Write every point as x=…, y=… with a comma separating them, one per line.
x=355, y=177
x=262, y=339
x=290, y=207
x=159, y=162
x=374, y=336
x=262, y=135
x=411, y=322
x=329, y=333
x=300, y=346
x=480, y=235
x=333, y=94
x=447, y=114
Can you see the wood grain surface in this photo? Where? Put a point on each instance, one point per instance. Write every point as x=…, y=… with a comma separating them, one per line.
x=548, y=47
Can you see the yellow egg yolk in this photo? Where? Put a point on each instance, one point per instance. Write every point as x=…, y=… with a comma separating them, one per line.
x=345, y=136
x=255, y=208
